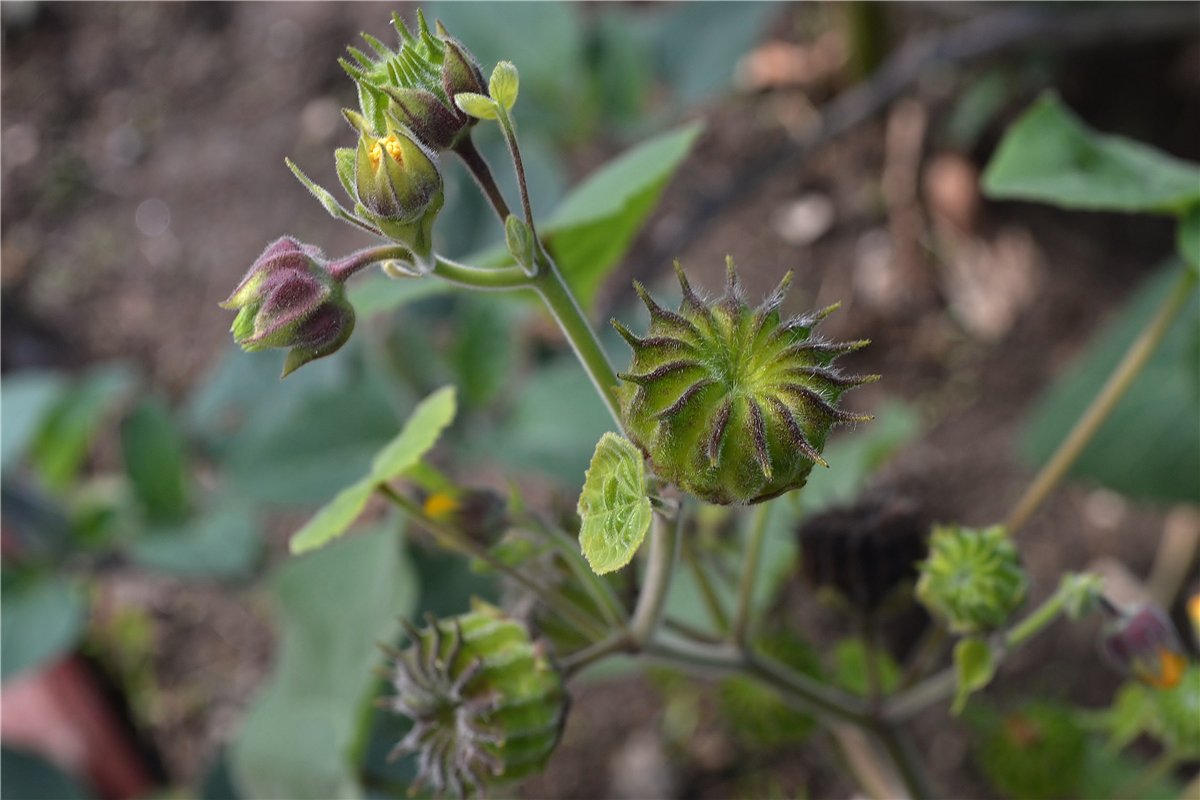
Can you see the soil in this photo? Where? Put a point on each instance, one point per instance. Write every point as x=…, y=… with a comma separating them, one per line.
x=142, y=172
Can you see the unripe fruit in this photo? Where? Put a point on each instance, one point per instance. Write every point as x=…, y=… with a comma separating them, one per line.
x=972, y=580
x=487, y=704
x=733, y=404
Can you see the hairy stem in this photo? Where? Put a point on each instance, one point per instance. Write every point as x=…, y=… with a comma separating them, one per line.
x=660, y=566
x=754, y=546
x=563, y=307
x=478, y=167
x=500, y=279
x=510, y=136
x=1102, y=404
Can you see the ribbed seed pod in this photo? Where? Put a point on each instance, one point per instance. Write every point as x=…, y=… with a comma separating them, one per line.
x=972, y=579
x=487, y=704
x=733, y=404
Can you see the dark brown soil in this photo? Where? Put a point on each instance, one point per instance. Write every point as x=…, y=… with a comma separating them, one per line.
x=143, y=171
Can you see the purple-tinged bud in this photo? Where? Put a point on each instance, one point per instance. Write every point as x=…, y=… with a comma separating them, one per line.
x=460, y=71
x=290, y=298
x=1143, y=644
x=430, y=120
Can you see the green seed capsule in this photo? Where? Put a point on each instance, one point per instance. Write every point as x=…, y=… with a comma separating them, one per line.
x=972, y=580
x=487, y=704
x=733, y=404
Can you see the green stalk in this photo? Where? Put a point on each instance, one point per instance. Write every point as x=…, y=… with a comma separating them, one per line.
x=754, y=546
x=707, y=593
x=660, y=566
x=1102, y=404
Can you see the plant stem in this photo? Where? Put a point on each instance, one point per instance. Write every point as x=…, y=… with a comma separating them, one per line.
x=597, y=588
x=708, y=594
x=726, y=658
x=453, y=540
x=581, y=659
x=478, y=167
x=1102, y=404
x=566, y=312
x=908, y=765
x=935, y=688
x=1037, y=619
x=510, y=136
x=754, y=546
x=660, y=566
x=499, y=279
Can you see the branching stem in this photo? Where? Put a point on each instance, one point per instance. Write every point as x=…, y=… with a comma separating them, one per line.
x=660, y=566
x=754, y=546
x=478, y=167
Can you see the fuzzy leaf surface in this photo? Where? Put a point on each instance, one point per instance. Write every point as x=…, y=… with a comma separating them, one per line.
x=613, y=505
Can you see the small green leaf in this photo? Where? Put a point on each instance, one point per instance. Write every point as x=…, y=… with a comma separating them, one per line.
x=613, y=505
x=332, y=520
x=504, y=84
x=420, y=432
x=42, y=618
x=1048, y=155
x=851, y=670
x=66, y=433
x=476, y=105
x=1188, y=234
x=431, y=416
x=519, y=239
x=327, y=200
x=152, y=448
x=974, y=668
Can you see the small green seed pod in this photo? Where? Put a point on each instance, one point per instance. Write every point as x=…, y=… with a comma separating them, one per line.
x=733, y=404
x=972, y=580
x=487, y=704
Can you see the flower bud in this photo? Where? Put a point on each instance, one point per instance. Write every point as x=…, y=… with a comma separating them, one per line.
x=395, y=179
x=290, y=298
x=487, y=704
x=972, y=580
x=733, y=404
x=1143, y=644
x=416, y=85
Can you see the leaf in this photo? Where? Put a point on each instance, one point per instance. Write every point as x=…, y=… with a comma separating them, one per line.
x=850, y=667
x=431, y=416
x=504, y=84
x=1150, y=445
x=613, y=507
x=298, y=739
x=25, y=399
x=42, y=618
x=30, y=776
x=152, y=447
x=1189, y=237
x=476, y=105
x=223, y=544
x=334, y=518
x=66, y=434
x=595, y=225
x=375, y=295
x=327, y=200
x=1050, y=156
x=974, y=668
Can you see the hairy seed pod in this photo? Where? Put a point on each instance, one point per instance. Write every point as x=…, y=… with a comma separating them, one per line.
x=733, y=404
x=487, y=704
x=972, y=580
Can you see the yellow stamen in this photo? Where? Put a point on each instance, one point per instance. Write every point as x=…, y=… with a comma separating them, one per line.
x=389, y=143
x=440, y=505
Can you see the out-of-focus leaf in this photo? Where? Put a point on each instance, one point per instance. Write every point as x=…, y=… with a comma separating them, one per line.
x=594, y=226
x=1189, y=237
x=485, y=348
x=1050, y=156
x=698, y=45
x=1036, y=752
x=378, y=293
x=556, y=421
x=225, y=543
x=613, y=507
x=850, y=667
x=974, y=668
x=431, y=416
x=67, y=432
x=335, y=606
x=25, y=399
x=153, y=451
x=30, y=777
x=1150, y=445
x=42, y=618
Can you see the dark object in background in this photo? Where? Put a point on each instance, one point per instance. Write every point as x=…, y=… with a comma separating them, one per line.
x=866, y=551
